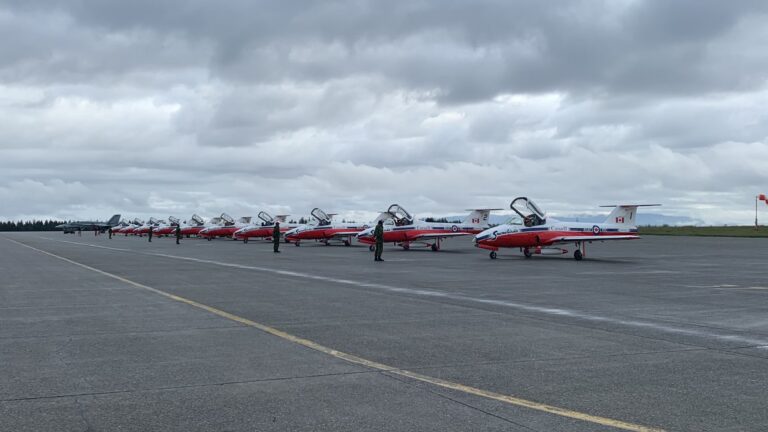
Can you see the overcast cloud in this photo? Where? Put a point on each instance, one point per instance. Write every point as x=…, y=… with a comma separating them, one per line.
x=174, y=107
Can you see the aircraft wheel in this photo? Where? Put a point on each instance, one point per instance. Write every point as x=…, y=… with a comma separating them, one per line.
x=493, y=255
x=435, y=248
x=527, y=252
x=406, y=247
x=209, y=238
x=347, y=243
x=577, y=255
x=297, y=243
x=245, y=240
x=371, y=248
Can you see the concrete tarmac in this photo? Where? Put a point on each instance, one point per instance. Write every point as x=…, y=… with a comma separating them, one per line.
x=664, y=333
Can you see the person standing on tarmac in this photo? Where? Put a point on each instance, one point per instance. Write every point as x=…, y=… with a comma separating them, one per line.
x=151, y=228
x=178, y=233
x=378, y=235
x=276, y=237
x=110, y=233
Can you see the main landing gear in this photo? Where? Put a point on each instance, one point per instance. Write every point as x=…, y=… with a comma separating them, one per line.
x=581, y=250
x=527, y=252
x=493, y=254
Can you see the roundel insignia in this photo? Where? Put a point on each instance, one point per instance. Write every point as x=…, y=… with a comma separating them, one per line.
x=454, y=228
x=595, y=230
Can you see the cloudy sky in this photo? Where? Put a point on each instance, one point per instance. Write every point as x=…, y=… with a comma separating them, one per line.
x=173, y=107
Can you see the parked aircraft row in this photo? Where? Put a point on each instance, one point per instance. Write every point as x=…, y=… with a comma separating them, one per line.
x=529, y=230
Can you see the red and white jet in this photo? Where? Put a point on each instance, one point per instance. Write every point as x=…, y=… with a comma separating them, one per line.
x=534, y=233
x=324, y=230
x=166, y=229
x=226, y=228
x=193, y=226
x=402, y=229
x=264, y=229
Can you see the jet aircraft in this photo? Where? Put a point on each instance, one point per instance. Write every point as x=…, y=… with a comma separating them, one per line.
x=402, y=229
x=71, y=227
x=264, y=229
x=193, y=226
x=324, y=230
x=533, y=233
x=226, y=228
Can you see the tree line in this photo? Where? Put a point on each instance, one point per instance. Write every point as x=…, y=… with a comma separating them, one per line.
x=30, y=225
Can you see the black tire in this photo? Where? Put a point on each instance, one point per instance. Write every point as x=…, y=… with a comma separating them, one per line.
x=435, y=248
x=406, y=247
x=297, y=243
x=347, y=243
x=371, y=248
x=577, y=255
x=493, y=255
x=209, y=238
x=245, y=240
x=527, y=252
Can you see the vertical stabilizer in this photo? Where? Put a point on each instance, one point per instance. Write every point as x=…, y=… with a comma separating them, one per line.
x=479, y=218
x=625, y=214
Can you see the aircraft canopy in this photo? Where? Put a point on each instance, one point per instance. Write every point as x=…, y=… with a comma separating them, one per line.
x=321, y=216
x=228, y=220
x=529, y=211
x=400, y=215
x=266, y=217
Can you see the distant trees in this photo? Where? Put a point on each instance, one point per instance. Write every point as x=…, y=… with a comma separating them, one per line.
x=438, y=220
x=33, y=225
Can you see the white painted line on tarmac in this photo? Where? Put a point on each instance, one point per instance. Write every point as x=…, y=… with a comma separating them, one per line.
x=664, y=328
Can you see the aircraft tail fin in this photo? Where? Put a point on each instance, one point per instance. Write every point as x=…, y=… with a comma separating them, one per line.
x=114, y=220
x=625, y=214
x=479, y=218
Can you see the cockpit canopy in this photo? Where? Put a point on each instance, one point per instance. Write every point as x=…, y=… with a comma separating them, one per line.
x=228, y=220
x=198, y=220
x=400, y=215
x=266, y=217
x=528, y=211
x=321, y=216
x=173, y=220
x=152, y=221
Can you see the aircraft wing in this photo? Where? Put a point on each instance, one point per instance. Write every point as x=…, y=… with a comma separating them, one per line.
x=428, y=236
x=580, y=238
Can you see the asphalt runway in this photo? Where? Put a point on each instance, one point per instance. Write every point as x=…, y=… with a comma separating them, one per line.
x=664, y=333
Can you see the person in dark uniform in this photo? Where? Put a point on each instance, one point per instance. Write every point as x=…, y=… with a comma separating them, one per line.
x=151, y=228
x=110, y=233
x=276, y=237
x=178, y=233
x=378, y=235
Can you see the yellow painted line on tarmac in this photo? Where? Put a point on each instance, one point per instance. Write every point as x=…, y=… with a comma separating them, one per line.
x=511, y=400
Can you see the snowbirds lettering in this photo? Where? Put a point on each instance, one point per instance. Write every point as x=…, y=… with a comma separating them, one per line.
x=324, y=230
x=402, y=229
x=533, y=233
